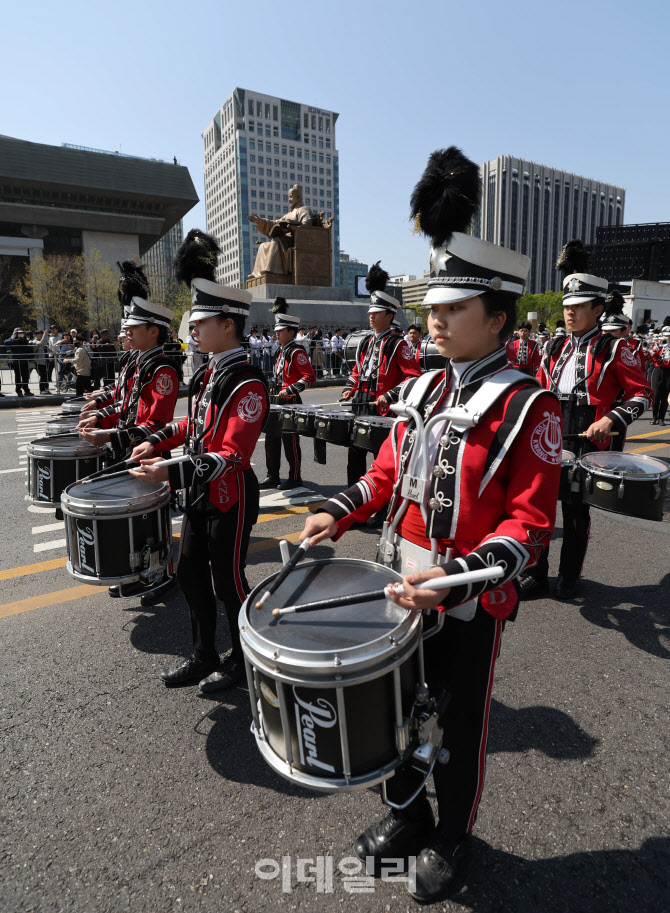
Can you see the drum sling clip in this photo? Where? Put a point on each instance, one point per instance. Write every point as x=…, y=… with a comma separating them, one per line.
x=152, y=561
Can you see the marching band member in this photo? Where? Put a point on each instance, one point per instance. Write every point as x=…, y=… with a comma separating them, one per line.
x=587, y=369
x=383, y=361
x=227, y=406
x=660, y=376
x=524, y=353
x=491, y=499
x=293, y=373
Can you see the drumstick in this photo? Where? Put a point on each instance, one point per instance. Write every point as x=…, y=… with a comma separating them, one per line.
x=439, y=583
x=570, y=436
x=298, y=554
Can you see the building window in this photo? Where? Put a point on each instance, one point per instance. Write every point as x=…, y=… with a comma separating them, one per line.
x=283, y=150
x=275, y=112
x=327, y=144
x=267, y=111
x=328, y=161
x=291, y=152
x=299, y=154
x=252, y=144
x=320, y=125
x=261, y=194
x=259, y=109
x=275, y=132
x=251, y=107
x=305, y=121
x=253, y=193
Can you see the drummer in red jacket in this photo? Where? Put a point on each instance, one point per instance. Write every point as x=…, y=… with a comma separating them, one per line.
x=383, y=361
x=490, y=500
x=524, y=353
x=228, y=404
x=587, y=370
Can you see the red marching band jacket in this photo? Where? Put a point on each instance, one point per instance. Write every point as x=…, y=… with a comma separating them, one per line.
x=391, y=360
x=227, y=410
x=493, y=489
x=293, y=370
x=148, y=402
x=660, y=356
x=113, y=393
x=606, y=369
x=525, y=355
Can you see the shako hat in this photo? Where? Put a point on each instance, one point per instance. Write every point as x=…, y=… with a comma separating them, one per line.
x=613, y=319
x=194, y=265
x=284, y=320
x=461, y=266
x=375, y=283
x=133, y=293
x=578, y=285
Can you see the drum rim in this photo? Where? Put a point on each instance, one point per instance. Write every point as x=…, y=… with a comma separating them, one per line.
x=351, y=659
x=82, y=449
x=383, y=421
x=119, y=508
x=621, y=474
x=347, y=416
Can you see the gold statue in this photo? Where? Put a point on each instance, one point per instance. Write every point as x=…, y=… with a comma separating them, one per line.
x=273, y=256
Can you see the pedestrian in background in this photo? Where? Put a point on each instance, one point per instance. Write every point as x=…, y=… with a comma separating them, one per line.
x=40, y=346
x=81, y=362
x=20, y=351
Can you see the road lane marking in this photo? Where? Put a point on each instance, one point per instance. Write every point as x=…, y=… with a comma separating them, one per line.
x=647, y=448
x=34, y=509
x=47, y=599
x=5, y=471
x=46, y=546
x=27, y=569
x=639, y=437
x=47, y=527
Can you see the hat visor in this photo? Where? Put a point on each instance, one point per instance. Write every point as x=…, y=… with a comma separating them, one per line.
x=446, y=294
x=569, y=300
x=376, y=309
x=137, y=321
x=203, y=315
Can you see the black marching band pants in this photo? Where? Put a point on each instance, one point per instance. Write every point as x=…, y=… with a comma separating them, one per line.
x=576, y=529
x=460, y=658
x=292, y=452
x=21, y=374
x=660, y=384
x=214, y=548
x=356, y=457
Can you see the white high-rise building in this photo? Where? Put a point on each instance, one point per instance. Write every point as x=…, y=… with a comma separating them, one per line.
x=256, y=147
x=535, y=210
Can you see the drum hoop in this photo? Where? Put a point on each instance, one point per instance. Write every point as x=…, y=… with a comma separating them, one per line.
x=92, y=450
x=350, y=658
x=379, y=421
x=119, y=509
x=620, y=474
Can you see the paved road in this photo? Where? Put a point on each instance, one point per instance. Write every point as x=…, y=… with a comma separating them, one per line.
x=120, y=795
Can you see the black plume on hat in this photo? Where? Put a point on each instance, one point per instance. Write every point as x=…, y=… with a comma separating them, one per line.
x=280, y=306
x=133, y=282
x=614, y=302
x=573, y=259
x=196, y=257
x=642, y=329
x=447, y=195
x=376, y=279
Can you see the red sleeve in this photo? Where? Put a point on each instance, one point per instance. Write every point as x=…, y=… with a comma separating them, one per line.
x=173, y=435
x=536, y=359
x=156, y=407
x=299, y=373
x=638, y=395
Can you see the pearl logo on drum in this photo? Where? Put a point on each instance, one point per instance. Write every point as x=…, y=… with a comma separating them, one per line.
x=318, y=715
x=43, y=475
x=85, y=539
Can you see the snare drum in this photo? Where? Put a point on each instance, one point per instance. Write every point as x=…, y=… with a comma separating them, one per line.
x=56, y=462
x=288, y=421
x=273, y=422
x=335, y=427
x=429, y=356
x=304, y=418
x=329, y=687
x=118, y=530
x=625, y=483
x=74, y=406
x=370, y=431
x=61, y=423
x=352, y=346
x=568, y=468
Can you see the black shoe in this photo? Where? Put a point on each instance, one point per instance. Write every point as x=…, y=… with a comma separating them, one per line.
x=189, y=670
x=532, y=587
x=661, y=421
x=288, y=485
x=19, y=393
x=29, y=393
x=395, y=836
x=654, y=421
x=269, y=483
x=565, y=588
x=158, y=593
x=230, y=673
x=436, y=870
x=114, y=592
x=3, y=394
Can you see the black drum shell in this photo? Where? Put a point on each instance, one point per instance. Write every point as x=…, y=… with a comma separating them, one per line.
x=273, y=422
x=369, y=435
x=429, y=356
x=304, y=419
x=351, y=346
x=335, y=429
x=49, y=476
x=58, y=424
x=569, y=473
x=317, y=748
x=641, y=498
x=289, y=424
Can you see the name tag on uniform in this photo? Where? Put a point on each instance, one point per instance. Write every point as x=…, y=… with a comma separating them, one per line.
x=413, y=489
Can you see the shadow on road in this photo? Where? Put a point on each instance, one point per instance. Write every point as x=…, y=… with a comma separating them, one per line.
x=544, y=729
x=645, y=623
x=604, y=881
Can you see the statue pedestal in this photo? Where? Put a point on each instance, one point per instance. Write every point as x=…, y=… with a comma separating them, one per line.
x=301, y=292
x=314, y=305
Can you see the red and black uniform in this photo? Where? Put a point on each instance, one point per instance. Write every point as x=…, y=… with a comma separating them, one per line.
x=588, y=373
x=524, y=355
x=227, y=407
x=383, y=362
x=113, y=393
x=660, y=380
x=147, y=404
x=491, y=500
x=293, y=373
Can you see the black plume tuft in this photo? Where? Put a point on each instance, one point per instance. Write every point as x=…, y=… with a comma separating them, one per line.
x=447, y=195
x=280, y=306
x=573, y=259
x=641, y=330
x=614, y=302
x=196, y=258
x=133, y=282
x=376, y=279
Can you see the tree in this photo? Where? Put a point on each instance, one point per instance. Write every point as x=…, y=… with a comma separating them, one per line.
x=548, y=305
x=100, y=284
x=178, y=299
x=52, y=291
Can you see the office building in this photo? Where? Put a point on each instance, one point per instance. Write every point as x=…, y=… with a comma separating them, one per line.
x=535, y=210
x=256, y=147
x=159, y=261
x=350, y=268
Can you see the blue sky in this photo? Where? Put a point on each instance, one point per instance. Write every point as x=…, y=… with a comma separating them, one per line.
x=581, y=86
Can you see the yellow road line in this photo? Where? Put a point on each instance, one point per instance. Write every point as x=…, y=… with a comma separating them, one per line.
x=289, y=511
x=638, y=437
x=39, y=602
x=647, y=448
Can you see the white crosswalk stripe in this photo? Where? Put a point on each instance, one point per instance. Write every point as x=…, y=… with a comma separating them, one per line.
x=45, y=546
